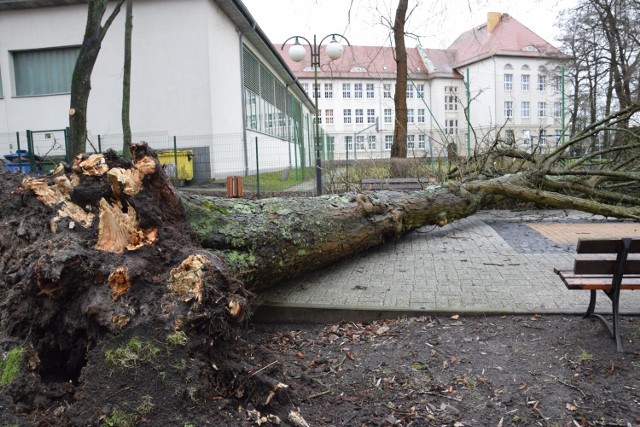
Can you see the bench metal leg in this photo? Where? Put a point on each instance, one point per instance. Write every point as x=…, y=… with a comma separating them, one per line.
x=592, y=305
x=616, y=319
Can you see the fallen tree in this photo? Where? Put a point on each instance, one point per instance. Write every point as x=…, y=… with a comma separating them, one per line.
x=110, y=274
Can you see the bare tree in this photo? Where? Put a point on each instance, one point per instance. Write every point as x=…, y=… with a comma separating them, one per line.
x=399, y=147
x=126, y=81
x=95, y=32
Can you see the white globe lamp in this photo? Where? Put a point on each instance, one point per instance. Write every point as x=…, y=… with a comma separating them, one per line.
x=297, y=52
x=334, y=49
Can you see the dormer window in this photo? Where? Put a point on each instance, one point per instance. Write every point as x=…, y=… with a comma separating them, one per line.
x=530, y=48
x=358, y=70
x=309, y=69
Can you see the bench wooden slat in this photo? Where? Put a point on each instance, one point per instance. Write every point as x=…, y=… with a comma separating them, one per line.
x=573, y=281
x=395, y=183
x=604, y=266
x=605, y=246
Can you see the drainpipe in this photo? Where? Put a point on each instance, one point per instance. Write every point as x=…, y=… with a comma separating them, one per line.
x=495, y=92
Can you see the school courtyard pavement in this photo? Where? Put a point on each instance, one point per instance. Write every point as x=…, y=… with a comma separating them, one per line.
x=494, y=262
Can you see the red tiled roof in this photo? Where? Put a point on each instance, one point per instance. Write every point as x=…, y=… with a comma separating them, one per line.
x=509, y=37
x=375, y=62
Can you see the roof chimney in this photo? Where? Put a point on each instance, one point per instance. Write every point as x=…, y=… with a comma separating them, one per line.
x=493, y=18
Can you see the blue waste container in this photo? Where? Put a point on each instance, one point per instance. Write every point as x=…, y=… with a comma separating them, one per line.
x=19, y=162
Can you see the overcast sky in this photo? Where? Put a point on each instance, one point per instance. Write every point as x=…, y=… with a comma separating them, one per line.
x=436, y=22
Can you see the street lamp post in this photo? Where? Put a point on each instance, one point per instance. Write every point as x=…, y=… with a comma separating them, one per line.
x=297, y=53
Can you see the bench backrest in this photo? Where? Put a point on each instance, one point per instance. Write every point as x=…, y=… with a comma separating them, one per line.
x=605, y=266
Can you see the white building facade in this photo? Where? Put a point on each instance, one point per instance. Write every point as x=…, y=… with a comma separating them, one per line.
x=188, y=79
x=499, y=80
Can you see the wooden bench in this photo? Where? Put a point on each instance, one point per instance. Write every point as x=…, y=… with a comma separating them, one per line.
x=606, y=267
x=395, y=183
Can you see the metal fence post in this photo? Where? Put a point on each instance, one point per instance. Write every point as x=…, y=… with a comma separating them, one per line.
x=32, y=160
x=257, y=169
x=67, y=143
x=99, y=144
x=175, y=154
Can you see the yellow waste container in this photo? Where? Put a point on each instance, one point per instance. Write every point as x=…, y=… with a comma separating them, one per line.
x=185, y=162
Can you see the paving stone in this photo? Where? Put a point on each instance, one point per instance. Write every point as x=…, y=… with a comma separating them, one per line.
x=494, y=262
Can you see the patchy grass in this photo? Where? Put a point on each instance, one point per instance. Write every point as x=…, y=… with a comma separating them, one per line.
x=10, y=365
x=279, y=180
x=134, y=352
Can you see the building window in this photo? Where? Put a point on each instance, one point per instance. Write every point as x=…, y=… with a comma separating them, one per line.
x=347, y=116
x=357, y=90
x=558, y=136
x=346, y=90
x=450, y=98
x=314, y=119
x=421, y=142
x=305, y=87
x=371, y=115
x=508, y=82
x=525, y=109
x=44, y=72
x=388, y=142
x=557, y=84
x=451, y=127
x=420, y=115
x=331, y=143
x=420, y=89
x=411, y=141
x=557, y=109
x=371, y=142
x=409, y=90
x=360, y=142
x=542, y=109
x=526, y=137
x=410, y=115
x=524, y=82
x=348, y=143
x=509, y=136
x=508, y=108
x=370, y=93
x=387, y=115
x=328, y=90
x=316, y=88
x=328, y=115
x=359, y=115
x=387, y=90
x=542, y=83
x=542, y=136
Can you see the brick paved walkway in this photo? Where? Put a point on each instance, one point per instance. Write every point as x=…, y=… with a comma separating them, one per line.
x=492, y=262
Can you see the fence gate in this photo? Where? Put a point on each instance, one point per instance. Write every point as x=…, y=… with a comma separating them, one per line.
x=47, y=148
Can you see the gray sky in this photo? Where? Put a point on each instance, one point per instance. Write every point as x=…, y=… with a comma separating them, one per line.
x=437, y=22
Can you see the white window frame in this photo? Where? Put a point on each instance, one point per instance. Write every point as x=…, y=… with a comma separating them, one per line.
x=328, y=114
x=370, y=90
x=508, y=108
x=524, y=82
x=359, y=113
x=508, y=82
x=387, y=90
x=346, y=90
x=371, y=115
x=388, y=142
x=328, y=90
x=357, y=90
x=346, y=116
x=525, y=109
x=388, y=115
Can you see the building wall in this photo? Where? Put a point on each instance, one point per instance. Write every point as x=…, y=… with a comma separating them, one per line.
x=178, y=76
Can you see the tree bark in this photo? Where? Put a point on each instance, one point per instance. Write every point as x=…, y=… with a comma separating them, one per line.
x=95, y=32
x=264, y=242
x=399, y=147
x=126, y=82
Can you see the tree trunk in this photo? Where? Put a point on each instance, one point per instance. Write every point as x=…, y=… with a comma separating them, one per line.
x=126, y=82
x=267, y=241
x=81, y=81
x=399, y=147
